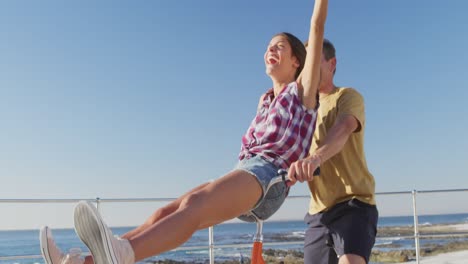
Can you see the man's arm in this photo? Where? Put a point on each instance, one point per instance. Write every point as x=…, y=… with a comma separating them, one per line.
x=336, y=138
x=344, y=126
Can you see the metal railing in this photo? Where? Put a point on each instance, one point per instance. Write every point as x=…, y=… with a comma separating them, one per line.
x=211, y=243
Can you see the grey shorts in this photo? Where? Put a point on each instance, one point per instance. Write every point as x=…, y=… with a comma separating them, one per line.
x=347, y=228
x=264, y=171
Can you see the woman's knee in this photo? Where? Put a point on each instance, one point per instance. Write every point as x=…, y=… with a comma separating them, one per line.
x=195, y=200
x=160, y=213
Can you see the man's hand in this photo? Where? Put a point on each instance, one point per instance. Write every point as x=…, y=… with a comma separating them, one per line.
x=303, y=170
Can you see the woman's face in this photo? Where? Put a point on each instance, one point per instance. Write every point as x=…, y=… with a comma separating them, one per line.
x=279, y=61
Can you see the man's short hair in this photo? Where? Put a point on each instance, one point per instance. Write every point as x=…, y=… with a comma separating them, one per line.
x=328, y=49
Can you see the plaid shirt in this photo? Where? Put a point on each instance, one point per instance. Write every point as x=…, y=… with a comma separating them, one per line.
x=282, y=130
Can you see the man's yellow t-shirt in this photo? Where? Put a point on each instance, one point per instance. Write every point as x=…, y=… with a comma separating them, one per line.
x=344, y=176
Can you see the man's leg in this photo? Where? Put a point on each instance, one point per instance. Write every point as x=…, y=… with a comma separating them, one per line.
x=353, y=227
x=352, y=259
x=318, y=244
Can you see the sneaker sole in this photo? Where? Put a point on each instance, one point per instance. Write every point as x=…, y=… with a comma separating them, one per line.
x=92, y=231
x=45, y=244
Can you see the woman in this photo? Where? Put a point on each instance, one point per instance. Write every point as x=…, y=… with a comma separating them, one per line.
x=278, y=137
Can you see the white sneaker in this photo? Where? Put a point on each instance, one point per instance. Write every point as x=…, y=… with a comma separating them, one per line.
x=105, y=248
x=73, y=257
x=52, y=254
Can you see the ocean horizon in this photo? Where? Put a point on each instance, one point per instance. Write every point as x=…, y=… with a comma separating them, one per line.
x=26, y=242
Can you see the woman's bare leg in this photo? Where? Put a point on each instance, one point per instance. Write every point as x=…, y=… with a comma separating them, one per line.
x=161, y=213
x=155, y=217
x=216, y=202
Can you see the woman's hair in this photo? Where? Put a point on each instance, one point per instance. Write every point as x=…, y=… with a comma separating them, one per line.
x=297, y=48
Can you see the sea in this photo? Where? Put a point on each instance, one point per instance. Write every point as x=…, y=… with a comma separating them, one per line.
x=26, y=242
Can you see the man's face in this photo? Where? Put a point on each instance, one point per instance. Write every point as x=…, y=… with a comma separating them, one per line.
x=327, y=67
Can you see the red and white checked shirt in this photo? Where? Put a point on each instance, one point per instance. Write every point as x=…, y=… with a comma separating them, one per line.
x=282, y=130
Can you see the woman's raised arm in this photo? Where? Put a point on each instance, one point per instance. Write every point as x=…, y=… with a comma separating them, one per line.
x=309, y=79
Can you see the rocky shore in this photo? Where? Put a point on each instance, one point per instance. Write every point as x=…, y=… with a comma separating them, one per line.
x=391, y=253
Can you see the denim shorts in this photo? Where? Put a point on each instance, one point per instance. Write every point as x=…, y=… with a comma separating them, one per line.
x=272, y=199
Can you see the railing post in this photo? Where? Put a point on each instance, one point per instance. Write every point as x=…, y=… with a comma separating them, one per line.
x=211, y=243
x=98, y=204
x=416, y=226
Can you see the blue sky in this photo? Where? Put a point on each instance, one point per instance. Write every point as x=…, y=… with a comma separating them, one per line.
x=150, y=98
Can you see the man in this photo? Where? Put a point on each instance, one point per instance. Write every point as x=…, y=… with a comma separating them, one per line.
x=342, y=216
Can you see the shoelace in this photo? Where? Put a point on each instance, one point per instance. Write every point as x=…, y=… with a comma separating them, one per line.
x=73, y=256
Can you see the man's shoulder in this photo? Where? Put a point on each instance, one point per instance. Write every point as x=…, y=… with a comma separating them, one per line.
x=348, y=92
x=347, y=89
